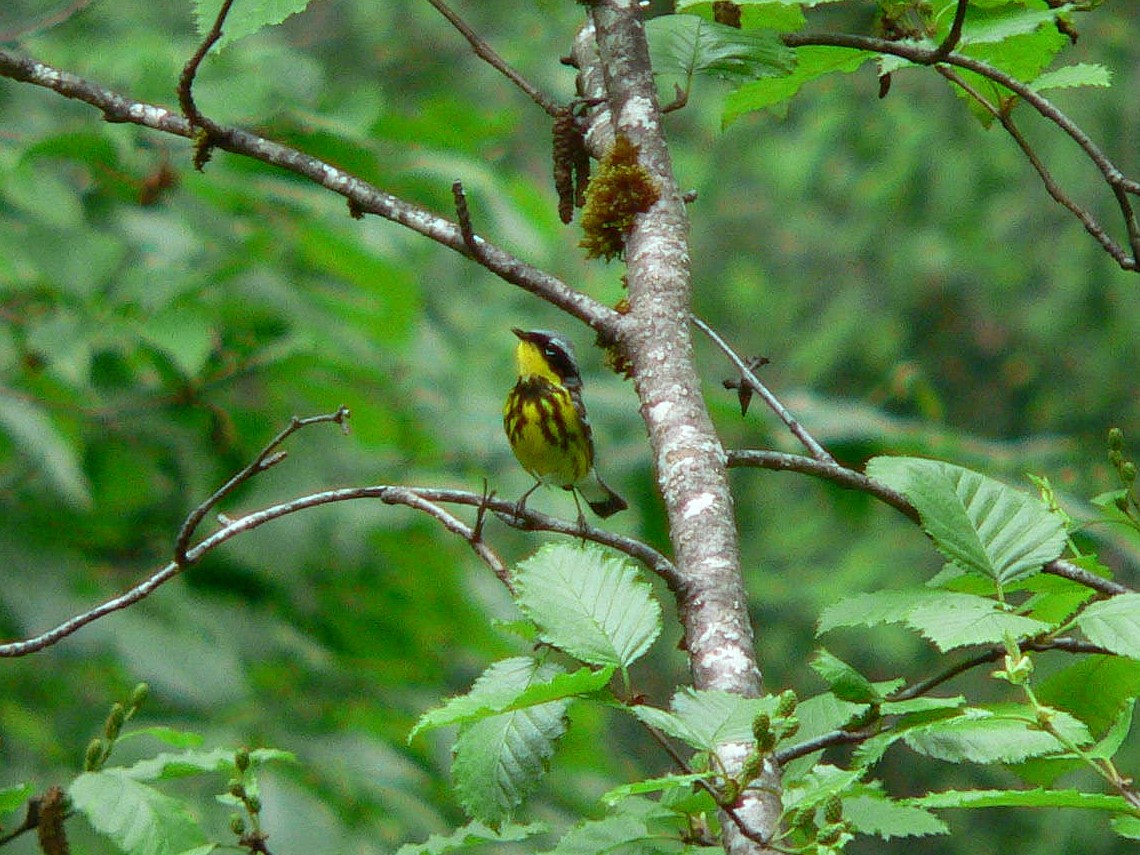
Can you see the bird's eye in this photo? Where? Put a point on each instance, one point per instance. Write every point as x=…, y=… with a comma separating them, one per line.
x=549, y=352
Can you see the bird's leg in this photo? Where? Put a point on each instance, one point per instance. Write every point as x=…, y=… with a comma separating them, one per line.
x=520, y=505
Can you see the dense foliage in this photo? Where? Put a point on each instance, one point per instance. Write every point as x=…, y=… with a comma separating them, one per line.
x=897, y=259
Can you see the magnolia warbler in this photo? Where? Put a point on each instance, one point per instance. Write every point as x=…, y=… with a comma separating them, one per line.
x=546, y=423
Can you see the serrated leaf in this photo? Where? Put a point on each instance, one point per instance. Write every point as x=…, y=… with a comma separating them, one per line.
x=246, y=17
x=488, y=697
x=922, y=705
x=188, y=763
x=845, y=682
x=1007, y=735
x=952, y=620
x=1069, y=76
x=812, y=62
x=137, y=817
x=871, y=609
x=688, y=45
x=639, y=825
x=35, y=435
x=1108, y=746
x=590, y=603
x=1114, y=624
x=705, y=719
x=888, y=818
x=1021, y=798
x=471, y=835
x=651, y=785
x=716, y=717
x=981, y=524
x=499, y=760
x=987, y=26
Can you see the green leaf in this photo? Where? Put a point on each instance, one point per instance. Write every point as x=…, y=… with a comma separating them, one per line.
x=246, y=17
x=491, y=696
x=1107, y=747
x=186, y=335
x=845, y=682
x=589, y=603
x=637, y=826
x=167, y=766
x=952, y=620
x=499, y=760
x=888, y=818
x=1069, y=76
x=1127, y=825
x=688, y=45
x=997, y=25
x=652, y=785
x=1040, y=798
x=167, y=735
x=922, y=705
x=871, y=609
x=472, y=835
x=983, y=525
x=137, y=817
x=783, y=17
x=1114, y=624
x=1003, y=735
x=33, y=433
x=14, y=797
x=705, y=719
x=1095, y=688
x=946, y=618
x=812, y=62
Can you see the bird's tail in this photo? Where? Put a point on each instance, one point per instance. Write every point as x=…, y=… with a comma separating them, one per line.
x=602, y=500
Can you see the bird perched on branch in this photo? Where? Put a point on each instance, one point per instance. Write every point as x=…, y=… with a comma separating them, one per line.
x=546, y=423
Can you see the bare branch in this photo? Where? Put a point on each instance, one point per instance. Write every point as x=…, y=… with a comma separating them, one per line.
x=1051, y=186
x=854, y=480
x=920, y=54
x=484, y=51
x=418, y=498
x=190, y=70
x=362, y=197
x=267, y=457
x=798, y=430
x=924, y=687
x=955, y=33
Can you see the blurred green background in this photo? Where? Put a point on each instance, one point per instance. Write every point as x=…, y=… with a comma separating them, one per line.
x=913, y=285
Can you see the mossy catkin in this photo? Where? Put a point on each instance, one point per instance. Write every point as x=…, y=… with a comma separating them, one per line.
x=621, y=189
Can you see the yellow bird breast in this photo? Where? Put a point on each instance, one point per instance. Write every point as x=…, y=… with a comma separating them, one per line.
x=546, y=432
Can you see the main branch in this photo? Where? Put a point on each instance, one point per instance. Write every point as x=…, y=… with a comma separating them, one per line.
x=689, y=460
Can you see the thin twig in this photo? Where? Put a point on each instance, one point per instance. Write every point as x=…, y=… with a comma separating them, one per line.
x=919, y=54
x=854, y=480
x=485, y=52
x=415, y=497
x=48, y=21
x=267, y=457
x=952, y=37
x=473, y=243
x=842, y=736
x=472, y=534
x=190, y=70
x=362, y=196
x=705, y=785
x=1051, y=186
x=798, y=430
